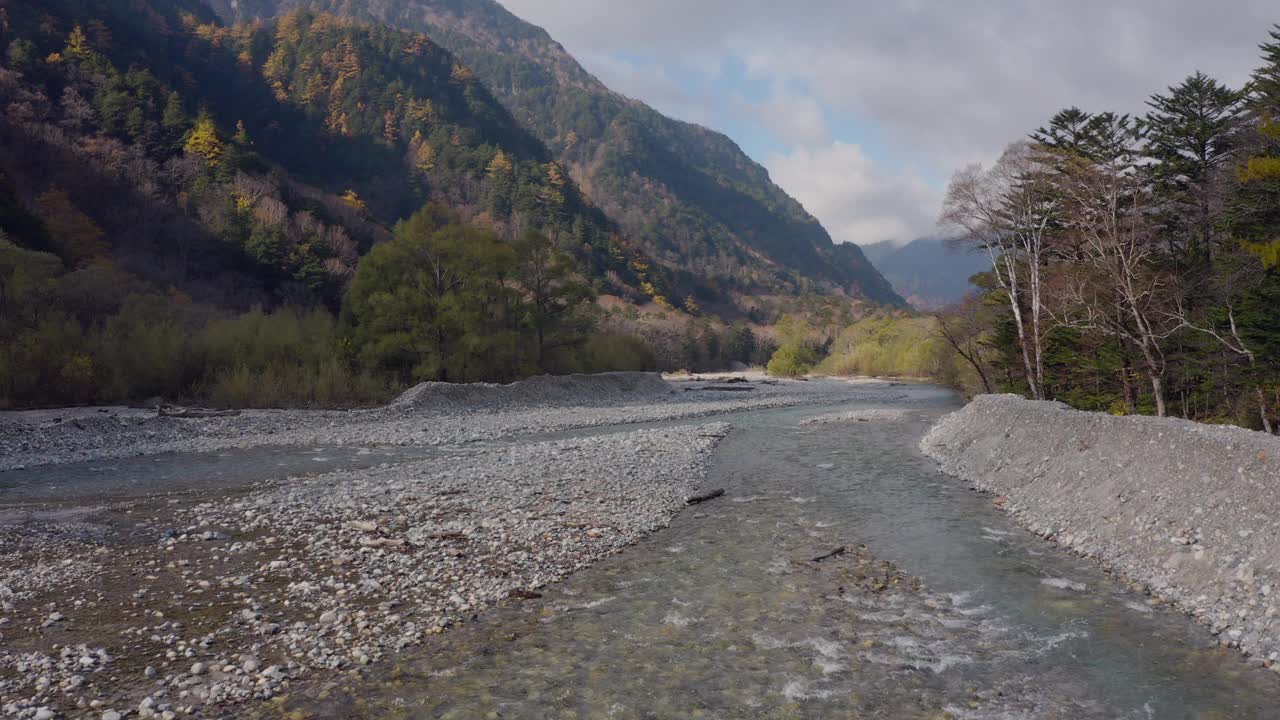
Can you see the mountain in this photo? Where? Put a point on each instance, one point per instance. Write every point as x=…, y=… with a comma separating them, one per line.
x=255, y=163
x=927, y=272
x=688, y=196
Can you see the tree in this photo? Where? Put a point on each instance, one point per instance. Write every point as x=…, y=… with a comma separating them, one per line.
x=1189, y=138
x=797, y=352
x=964, y=327
x=204, y=141
x=1007, y=212
x=554, y=297
x=1113, y=284
x=741, y=344
x=174, y=121
x=423, y=304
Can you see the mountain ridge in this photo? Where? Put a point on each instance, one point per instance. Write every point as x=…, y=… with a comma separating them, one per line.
x=685, y=193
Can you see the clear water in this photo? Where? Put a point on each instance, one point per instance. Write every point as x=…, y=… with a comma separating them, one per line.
x=724, y=616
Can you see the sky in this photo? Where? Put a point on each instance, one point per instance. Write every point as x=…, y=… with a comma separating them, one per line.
x=863, y=109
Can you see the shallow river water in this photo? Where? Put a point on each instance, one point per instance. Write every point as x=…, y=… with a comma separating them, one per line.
x=724, y=615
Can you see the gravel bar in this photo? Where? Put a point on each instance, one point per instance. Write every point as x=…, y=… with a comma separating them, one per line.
x=188, y=610
x=432, y=414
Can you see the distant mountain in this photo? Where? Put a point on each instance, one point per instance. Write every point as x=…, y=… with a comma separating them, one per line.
x=927, y=272
x=708, y=215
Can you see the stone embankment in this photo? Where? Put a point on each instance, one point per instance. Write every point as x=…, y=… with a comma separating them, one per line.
x=1192, y=511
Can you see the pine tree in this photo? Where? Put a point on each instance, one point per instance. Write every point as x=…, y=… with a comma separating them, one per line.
x=1189, y=136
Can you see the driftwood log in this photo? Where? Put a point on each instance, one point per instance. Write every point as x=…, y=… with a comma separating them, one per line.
x=187, y=412
x=699, y=499
x=834, y=553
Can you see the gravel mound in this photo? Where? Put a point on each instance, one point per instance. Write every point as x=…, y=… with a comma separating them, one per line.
x=541, y=391
x=1190, y=510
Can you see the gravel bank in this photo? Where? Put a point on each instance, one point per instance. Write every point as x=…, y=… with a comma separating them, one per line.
x=428, y=415
x=1192, y=511
x=162, y=608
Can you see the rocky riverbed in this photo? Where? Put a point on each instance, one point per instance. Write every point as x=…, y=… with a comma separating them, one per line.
x=166, y=607
x=432, y=414
x=1191, y=511
x=196, y=602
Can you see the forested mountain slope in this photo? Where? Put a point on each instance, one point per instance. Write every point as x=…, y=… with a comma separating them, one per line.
x=161, y=173
x=689, y=196
x=308, y=127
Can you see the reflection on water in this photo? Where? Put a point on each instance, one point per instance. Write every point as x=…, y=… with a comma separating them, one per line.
x=725, y=616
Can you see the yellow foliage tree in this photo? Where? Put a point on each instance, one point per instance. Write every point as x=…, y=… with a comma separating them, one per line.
x=390, y=127
x=353, y=201
x=500, y=165
x=554, y=175
x=205, y=142
x=77, y=45
x=422, y=157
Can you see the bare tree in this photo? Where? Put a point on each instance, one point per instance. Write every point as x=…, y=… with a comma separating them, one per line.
x=963, y=327
x=1007, y=212
x=1115, y=286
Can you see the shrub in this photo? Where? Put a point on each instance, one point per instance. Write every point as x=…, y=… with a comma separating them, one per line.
x=792, y=360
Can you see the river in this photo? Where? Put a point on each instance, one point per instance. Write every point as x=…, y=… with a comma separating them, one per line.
x=726, y=615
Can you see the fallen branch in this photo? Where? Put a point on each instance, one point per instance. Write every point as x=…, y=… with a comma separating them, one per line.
x=186, y=412
x=834, y=553
x=699, y=499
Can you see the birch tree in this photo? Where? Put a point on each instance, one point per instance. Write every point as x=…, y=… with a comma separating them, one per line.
x=1007, y=212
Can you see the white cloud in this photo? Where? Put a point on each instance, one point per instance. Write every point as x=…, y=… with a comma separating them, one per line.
x=794, y=118
x=943, y=82
x=855, y=198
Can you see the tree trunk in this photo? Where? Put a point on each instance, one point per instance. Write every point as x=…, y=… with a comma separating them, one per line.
x=1157, y=389
x=1262, y=409
x=1126, y=379
x=1026, y=353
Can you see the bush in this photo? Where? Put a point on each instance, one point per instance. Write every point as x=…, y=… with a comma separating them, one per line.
x=286, y=358
x=892, y=346
x=792, y=360
x=611, y=353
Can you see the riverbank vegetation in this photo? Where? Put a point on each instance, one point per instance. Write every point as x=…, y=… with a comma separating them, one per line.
x=1136, y=260
x=1135, y=263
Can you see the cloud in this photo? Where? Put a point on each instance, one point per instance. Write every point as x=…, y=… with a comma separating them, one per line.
x=940, y=83
x=795, y=119
x=857, y=200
